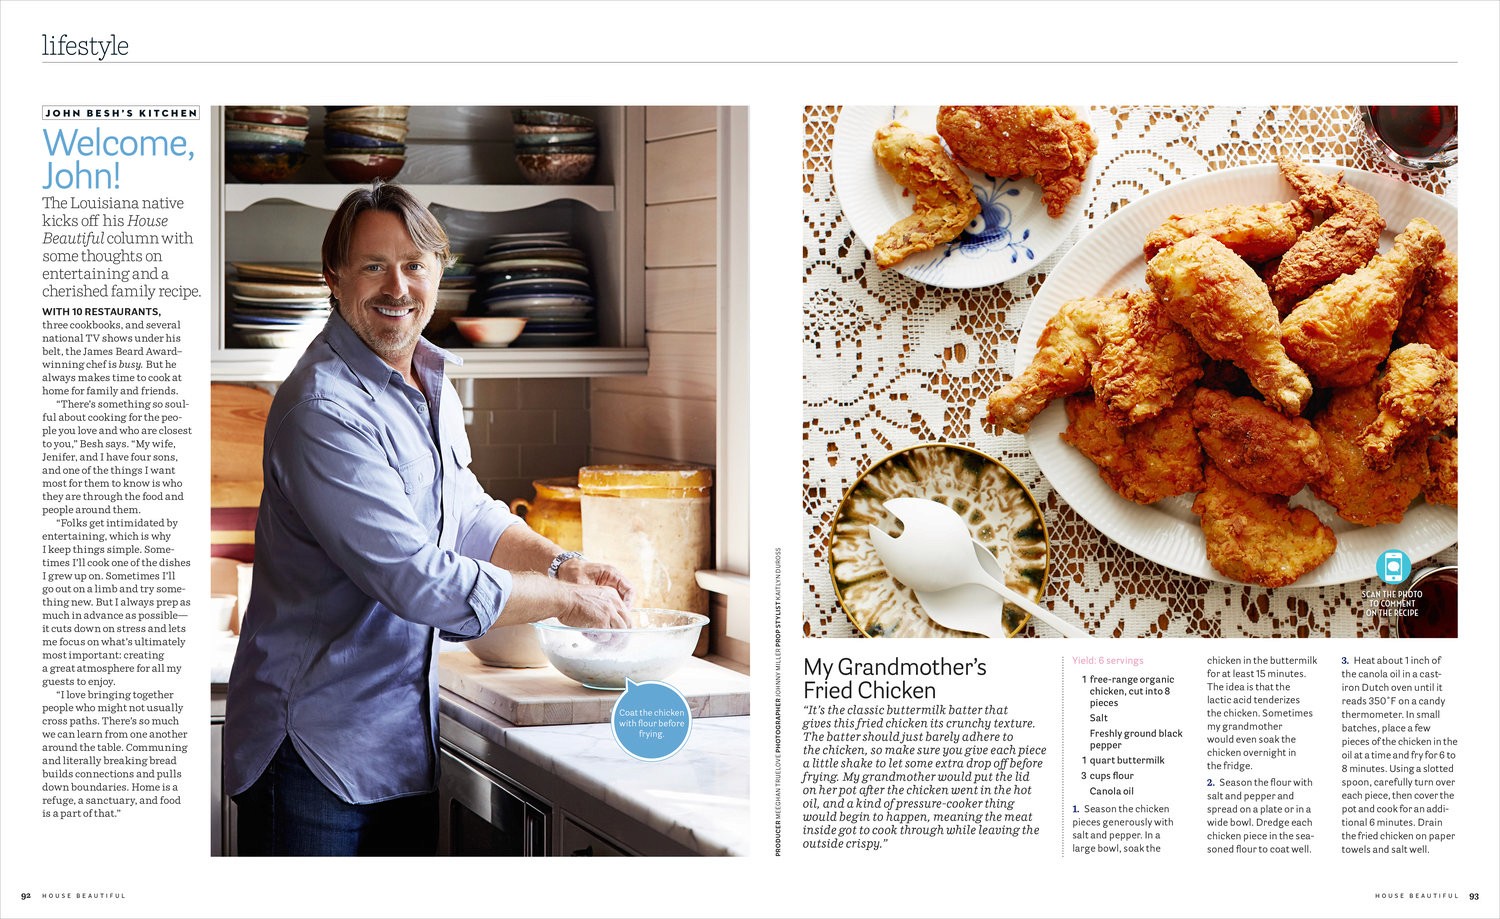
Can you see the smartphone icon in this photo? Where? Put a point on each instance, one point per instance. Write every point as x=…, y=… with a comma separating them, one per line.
x=1393, y=566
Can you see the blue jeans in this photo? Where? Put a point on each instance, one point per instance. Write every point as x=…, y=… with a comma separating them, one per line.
x=288, y=811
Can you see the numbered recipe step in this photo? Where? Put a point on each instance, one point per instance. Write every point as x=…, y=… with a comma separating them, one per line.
x=1258, y=716
x=1398, y=761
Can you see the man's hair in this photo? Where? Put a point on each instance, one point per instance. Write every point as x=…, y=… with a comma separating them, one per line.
x=423, y=228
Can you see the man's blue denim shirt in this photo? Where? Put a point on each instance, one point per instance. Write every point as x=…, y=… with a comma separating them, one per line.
x=373, y=538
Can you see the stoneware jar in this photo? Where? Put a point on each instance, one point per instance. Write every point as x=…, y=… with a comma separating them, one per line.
x=555, y=512
x=654, y=523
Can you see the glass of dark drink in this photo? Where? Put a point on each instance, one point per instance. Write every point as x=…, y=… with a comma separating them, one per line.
x=1413, y=137
x=1430, y=607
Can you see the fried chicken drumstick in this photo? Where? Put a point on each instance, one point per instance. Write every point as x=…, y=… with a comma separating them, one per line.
x=1431, y=315
x=1136, y=359
x=1216, y=296
x=1065, y=353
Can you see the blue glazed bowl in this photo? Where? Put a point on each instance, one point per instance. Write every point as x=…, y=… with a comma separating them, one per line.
x=245, y=141
x=336, y=138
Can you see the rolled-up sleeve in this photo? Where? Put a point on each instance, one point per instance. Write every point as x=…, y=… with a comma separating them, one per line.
x=481, y=519
x=333, y=468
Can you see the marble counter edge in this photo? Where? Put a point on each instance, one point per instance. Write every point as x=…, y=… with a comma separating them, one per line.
x=557, y=749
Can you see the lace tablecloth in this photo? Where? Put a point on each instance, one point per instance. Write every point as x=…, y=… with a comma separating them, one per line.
x=889, y=363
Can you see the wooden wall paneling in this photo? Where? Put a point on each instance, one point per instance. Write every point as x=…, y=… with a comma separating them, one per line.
x=676, y=429
x=683, y=366
x=730, y=650
x=598, y=457
x=682, y=234
x=682, y=299
x=682, y=169
x=673, y=120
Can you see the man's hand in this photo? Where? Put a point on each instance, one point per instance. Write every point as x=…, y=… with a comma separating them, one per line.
x=592, y=606
x=535, y=597
x=583, y=571
x=585, y=594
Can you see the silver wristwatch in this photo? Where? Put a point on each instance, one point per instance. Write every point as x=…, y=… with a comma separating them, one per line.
x=560, y=561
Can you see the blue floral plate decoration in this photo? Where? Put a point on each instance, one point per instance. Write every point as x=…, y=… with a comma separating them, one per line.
x=1011, y=236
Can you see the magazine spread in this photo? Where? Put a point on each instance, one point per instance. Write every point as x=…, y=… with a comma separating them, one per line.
x=612, y=429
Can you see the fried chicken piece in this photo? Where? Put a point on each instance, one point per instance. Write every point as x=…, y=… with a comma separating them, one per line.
x=1418, y=397
x=1224, y=375
x=1136, y=359
x=1441, y=486
x=1359, y=493
x=1254, y=232
x=1049, y=143
x=1348, y=237
x=944, y=201
x=1261, y=449
x=1259, y=539
x=1065, y=353
x=1342, y=332
x=1145, y=360
x=1431, y=315
x=1216, y=296
x=1143, y=462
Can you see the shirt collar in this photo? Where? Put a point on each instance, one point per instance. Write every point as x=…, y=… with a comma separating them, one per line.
x=373, y=373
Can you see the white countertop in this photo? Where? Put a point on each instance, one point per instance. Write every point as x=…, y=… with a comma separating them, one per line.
x=221, y=656
x=699, y=796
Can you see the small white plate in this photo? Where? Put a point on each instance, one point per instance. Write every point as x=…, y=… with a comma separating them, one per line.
x=267, y=291
x=1011, y=236
x=501, y=265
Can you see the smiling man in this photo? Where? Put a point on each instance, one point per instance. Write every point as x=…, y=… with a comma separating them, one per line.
x=373, y=539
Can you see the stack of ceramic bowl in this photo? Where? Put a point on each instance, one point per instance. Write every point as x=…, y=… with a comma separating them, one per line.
x=364, y=142
x=277, y=306
x=452, y=298
x=265, y=143
x=541, y=277
x=555, y=148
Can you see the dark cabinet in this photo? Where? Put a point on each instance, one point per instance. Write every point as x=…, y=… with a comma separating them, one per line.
x=480, y=813
x=222, y=814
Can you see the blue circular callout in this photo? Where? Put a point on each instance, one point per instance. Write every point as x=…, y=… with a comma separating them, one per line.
x=1394, y=566
x=651, y=720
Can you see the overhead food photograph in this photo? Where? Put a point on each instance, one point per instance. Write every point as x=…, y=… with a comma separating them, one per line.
x=476, y=481
x=1154, y=371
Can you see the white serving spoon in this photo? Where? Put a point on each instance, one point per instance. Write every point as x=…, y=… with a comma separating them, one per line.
x=937, y=553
